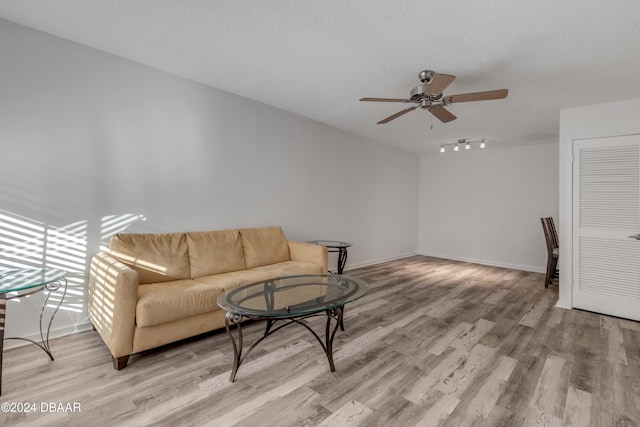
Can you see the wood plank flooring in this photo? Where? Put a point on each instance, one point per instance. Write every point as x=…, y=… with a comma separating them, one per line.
x=435, y=342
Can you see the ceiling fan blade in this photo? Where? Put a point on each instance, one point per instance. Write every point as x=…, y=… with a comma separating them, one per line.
x=396, y=115
x=385, y=100
x=477, y=96
x=439, y=83
x=442, y=114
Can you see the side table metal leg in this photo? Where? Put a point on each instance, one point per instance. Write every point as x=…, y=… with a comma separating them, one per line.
x=44, y=339
x=342, y=259
x=51, y=287
x=229, y=319
x=3, y=312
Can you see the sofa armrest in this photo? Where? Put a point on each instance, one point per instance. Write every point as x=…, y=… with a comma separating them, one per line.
x=307, y=252
x=113, y=295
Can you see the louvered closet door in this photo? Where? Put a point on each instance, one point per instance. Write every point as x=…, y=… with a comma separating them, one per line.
x=606, y=211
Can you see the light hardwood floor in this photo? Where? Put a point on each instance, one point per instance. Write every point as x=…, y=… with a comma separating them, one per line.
x=435, y=342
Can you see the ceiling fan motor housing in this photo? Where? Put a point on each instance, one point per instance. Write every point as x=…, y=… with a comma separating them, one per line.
x=419, y=93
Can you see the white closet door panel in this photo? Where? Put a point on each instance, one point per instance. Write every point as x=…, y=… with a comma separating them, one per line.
x=609, y=187
x=606, y=264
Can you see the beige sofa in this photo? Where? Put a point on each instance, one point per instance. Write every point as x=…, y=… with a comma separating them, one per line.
x=152, y=289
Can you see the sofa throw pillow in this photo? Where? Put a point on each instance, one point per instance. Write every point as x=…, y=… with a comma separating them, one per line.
x=264, y=246
x=215, y=252
x=156, y=257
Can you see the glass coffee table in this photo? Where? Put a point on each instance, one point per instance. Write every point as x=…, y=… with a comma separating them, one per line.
x=19, y=283
x=287, y=300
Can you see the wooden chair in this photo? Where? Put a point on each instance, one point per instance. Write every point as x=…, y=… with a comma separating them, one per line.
x=553, y=250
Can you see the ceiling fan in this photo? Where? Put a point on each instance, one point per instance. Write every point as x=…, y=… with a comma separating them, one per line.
x=429, y=96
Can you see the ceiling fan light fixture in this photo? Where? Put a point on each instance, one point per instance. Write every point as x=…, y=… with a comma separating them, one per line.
x=455, y=148
x=482, y=144
x=442, y=148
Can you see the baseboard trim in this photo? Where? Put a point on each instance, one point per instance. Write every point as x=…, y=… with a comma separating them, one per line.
x=485, y=262
x=378, y=261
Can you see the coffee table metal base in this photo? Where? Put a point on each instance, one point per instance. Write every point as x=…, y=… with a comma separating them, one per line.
x=232, y=318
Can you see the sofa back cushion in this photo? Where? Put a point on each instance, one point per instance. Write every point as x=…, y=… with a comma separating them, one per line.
x=215, y=252
x=156, y=257
x=264, y=246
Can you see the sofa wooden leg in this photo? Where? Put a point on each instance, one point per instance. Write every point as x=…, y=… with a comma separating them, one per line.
x=120, y=362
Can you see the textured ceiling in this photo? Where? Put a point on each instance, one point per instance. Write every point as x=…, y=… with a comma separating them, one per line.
x=317, y=58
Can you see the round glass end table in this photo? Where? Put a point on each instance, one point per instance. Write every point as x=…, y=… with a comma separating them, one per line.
x=22, y=282
x=335, y=246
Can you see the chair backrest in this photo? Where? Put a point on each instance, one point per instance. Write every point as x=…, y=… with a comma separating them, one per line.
x=554, y=234
x=550, y=234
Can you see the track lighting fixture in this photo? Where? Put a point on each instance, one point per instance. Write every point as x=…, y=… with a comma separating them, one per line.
x=467, y=144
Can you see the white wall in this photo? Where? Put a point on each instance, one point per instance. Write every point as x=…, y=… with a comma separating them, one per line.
x=87, y=137
x=610, y=119
x=485, y=205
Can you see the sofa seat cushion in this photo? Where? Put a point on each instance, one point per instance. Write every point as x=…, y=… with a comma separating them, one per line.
x=288, y=268
x=160, y=303
x=233, y=279
x=215, y=252
x=156, y=257
x=264, y=246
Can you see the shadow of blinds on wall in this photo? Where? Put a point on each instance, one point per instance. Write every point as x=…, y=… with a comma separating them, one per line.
x=26, y=243
x=606, y=212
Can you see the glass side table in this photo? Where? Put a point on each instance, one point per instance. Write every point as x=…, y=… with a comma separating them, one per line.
x=335, y=246
x=26, y=281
